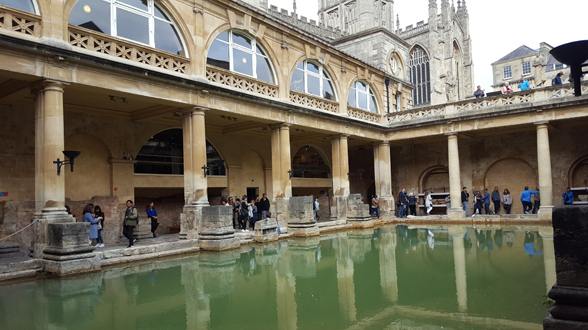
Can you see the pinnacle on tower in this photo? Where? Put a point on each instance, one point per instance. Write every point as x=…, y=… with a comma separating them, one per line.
x=294, y=7
x=464, y=8
x=432, y=4
x=397, y=22
x=444, y=3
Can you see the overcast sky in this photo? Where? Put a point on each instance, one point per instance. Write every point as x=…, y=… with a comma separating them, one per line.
x=497, y=27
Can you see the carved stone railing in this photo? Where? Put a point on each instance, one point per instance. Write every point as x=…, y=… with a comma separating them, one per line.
x=314, y=101
x=20, y=21
x=105, y=44
x=414, y=115
x=236, y=80
x=363, y=115
x=496, y=101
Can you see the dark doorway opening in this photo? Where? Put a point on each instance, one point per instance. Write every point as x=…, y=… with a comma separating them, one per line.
x=252, y=193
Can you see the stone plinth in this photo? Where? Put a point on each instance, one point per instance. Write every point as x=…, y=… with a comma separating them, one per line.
x=570, y=234
x=358, y=213
x=339, y=208
x=302, y=222
x=68, y=250
x=216, y=229
x=281, y=213
x=189, y=220
x=266, y=230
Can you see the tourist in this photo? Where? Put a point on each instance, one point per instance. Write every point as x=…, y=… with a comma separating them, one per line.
x=568, y=197
x=253, y=215
x=537, y=201
x=524, y=85
x=152, y=214
x=68, y=210
x=557, y=79
x=264, y=205
x=526, y=199
x=478, y=203
x=98, y=214
x=507, y=200
x=448, y=203
x=236, y=206
x=375, y=206
x=89, y=217
x=403, y=203
x=258, y=207
x=428, y=202
x=486, y=200
x=479, y=93
x=412, y=202
x=131, y=220
x=507, y=89
x=243, y=214
x=496, y=200
x=315, y=208
x=465, y=198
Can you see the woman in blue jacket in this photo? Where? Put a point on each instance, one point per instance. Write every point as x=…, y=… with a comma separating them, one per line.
x=152, y=214
x=568, y=197
x=526, y=199
x=89, y=217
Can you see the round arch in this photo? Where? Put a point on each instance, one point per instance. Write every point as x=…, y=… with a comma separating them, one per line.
x=513, y=174
x=438, y=171
x=334, y=79
x=380, y=109
x=574, y=178
x=166, y=5
x=264, y=44
x=315, y=158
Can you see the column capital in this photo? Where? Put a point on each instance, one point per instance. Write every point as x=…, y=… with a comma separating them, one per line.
x=193, y=110
x=49, y=84
x=339, y=136
x=280, y=126
x=542, y=123
x=450, y=134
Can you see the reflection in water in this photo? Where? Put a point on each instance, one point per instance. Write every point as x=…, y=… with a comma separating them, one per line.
x=390, y=277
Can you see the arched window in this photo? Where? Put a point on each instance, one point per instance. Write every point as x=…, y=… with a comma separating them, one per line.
x=24, y=5
x=237, y=52
x=136, y=20
x=313, y=79
x=362, y=96
x=164, y=154
x=313, y=163
x=419, y=76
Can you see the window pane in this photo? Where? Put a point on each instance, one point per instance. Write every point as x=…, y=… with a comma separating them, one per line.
x=218, y=55
x=241, y=40
x=24, y=5
x=373, y=104
x=167, y=38
x=300, y=66
x=312, y=68
x=361, y=86
x=93, y=15
x=314, y=85
x=264, y=71
x=132, y=26
x=160, y=14
x=141, y=4
x=362, y=101
x=224, y=36
x=351, y=99
x=258, y=50
x=328, y=90
x=242, y=62
x=297, y=82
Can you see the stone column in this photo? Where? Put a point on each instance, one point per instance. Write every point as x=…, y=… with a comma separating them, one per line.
x=49, y=144
x=546, y=234
x=388, y=273
x=281, y=164
x=458, y=233
x=544, y=169
x=383, y=176
x=195, y=184
x=340, y=178
x=456, y=211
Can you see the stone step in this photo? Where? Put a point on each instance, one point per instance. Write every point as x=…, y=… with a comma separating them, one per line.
x=21, y=265
x=147, y=249
x=9, y=246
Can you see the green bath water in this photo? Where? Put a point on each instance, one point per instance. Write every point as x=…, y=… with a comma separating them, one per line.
x=394, y=277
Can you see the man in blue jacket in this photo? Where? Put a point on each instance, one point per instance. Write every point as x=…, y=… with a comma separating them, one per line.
x=486, y=200
x=568, y=197
x=526, y=199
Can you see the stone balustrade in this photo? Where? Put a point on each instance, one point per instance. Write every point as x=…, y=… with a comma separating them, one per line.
x=105, y=44
x=314, y=101
x=239, y=81
x=20, y=21
x=364, y=115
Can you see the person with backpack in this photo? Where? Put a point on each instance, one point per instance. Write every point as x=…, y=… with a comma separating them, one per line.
x=496, y=200
x=130, y=222
x=243, y=214
x=412, y=201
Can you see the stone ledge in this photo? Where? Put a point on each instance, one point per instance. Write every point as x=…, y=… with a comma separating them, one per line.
x=18, y=266
x=19, y=274
x=150, y=256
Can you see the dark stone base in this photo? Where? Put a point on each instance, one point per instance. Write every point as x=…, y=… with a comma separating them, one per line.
x=551, y=323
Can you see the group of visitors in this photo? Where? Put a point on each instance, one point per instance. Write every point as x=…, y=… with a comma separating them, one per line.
x=408, y=202
x=245, y=211
x=95, y=216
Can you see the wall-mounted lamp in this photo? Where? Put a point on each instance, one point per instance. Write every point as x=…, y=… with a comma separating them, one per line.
x=69, y=154
x=300, y=170
x=217, y=164
x=359, y=171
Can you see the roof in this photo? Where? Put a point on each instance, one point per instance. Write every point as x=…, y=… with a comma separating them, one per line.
x=522, y=51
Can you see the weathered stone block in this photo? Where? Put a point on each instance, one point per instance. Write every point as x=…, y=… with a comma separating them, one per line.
x=69, y=267
x=216, y=217
x=64, y=235
x=301, y=210
x=570, y=235
x=304, y=229
x=266, y=230
x=219, y=244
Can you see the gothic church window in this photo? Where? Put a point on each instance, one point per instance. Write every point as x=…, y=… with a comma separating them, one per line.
x=526, y=68
x=24, y=5
x=240, y=53
x=507, y=72
x=312, y=79
x=420, y=76
x=140, y=21
x=362, y=96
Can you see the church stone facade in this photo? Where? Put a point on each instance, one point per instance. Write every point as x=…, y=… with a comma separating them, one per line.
x=436, y=57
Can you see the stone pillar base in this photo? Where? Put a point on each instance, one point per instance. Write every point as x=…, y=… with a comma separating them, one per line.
x=189, y=220
x=218, y=240
x=266, y=230
x=282, y=213
x=216, y=229
x=40, y=238
x=365, y=222
x=339, y=207
x=456, y=214
x=570, y=310
x=304, y=229
x=545, y=212
x=387, y=207
x=74, y=266
x=68, y=250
